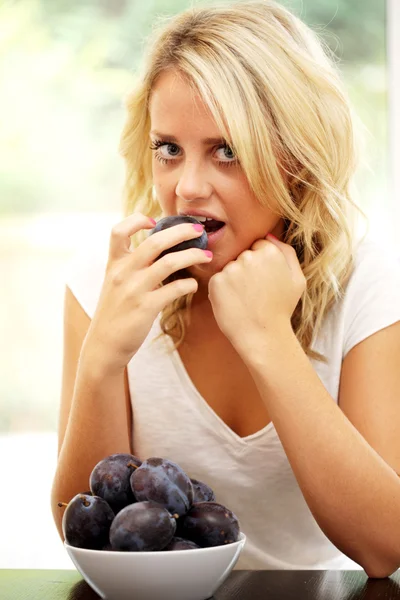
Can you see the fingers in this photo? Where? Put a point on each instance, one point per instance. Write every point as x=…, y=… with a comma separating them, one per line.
x=163, y=296
x=175, y=261
x=150, y=270
x=288, y=252
x=121, y=233
x=151, y=248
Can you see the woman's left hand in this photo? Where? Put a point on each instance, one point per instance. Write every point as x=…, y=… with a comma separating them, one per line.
x=257, y=293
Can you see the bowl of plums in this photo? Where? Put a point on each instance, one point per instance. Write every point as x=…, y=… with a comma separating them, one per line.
x=146, y=530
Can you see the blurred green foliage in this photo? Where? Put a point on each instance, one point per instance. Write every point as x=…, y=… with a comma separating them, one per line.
x=68, y=63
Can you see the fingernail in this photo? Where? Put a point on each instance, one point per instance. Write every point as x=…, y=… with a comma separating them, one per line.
x=272, y=236
x=198, y=227
x=152, y=221
x=208, y=253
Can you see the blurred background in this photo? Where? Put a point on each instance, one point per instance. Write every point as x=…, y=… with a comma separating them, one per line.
x=66, y=66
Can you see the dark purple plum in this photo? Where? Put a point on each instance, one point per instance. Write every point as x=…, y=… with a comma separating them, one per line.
x=200, y=242
x=164, y=482
x=202, y=491
x=86, y=522
x=142, y=527
x=209, y=524
x=110, y=479
x=178, y=543
x=167, y=222
x=107, y=547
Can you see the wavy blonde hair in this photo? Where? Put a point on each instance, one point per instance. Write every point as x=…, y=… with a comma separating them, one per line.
x=276, y=95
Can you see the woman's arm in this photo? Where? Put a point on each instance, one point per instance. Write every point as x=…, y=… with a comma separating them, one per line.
x=95, y=411
x=349, y=479
x=95, y=406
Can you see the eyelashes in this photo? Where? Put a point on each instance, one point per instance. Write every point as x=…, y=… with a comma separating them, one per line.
x=157, y=144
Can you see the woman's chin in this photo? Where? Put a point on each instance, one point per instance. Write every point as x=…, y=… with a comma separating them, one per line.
x=204, y=272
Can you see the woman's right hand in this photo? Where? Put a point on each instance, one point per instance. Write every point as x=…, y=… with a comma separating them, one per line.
x=131, y=296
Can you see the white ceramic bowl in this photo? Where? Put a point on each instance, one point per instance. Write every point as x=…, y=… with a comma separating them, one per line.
x=170, y=575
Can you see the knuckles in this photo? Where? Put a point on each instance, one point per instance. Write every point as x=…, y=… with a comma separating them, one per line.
x=116, y=277
x=156, y=244
x=118, y=230
x=302, y=281
x=169, y=260
x=217, y=279
x=121, y=229
x=247, y=255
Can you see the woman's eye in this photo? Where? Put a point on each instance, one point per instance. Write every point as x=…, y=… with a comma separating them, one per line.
x=227, y=153
x=170, y=150
x=170, y=147
x=166, y=152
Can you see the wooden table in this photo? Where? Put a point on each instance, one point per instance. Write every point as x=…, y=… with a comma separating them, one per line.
x=16, y=584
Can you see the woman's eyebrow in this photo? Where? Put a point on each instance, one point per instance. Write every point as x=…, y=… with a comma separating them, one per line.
x=208, y=140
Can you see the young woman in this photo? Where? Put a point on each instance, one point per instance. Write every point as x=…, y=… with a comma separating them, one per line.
x=271, y=372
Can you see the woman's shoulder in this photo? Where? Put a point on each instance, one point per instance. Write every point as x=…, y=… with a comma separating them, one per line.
x=372, y=296
x=86, y=268
x=374, y=261
x=370, y=247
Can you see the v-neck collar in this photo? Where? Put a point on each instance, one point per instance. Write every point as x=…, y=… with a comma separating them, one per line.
x=214, y=418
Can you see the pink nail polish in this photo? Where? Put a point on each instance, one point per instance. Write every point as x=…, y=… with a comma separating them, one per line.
x=198, y=227
x=208, y=253
x=273, y=236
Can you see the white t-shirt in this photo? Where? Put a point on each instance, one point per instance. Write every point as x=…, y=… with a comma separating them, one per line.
x=251, y=475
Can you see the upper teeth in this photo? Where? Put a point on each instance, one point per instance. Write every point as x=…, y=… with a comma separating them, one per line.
x=202, y=219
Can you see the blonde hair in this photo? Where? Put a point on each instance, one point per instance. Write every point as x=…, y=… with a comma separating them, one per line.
x=275, y=92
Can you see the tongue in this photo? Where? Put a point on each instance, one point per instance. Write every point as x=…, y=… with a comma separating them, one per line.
x=211, y=226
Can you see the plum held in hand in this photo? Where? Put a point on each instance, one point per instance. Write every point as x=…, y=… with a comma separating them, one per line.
x=209, y=524
x=110, y=479
x=164, y=482
x=167, y=222
x=142, y=527
x=86, y=522
x=202, y=491
x=200, y=242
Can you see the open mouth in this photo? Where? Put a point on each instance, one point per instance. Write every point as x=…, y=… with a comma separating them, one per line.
x=210, y=225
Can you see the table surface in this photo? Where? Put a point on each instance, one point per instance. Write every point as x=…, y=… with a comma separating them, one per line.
x=16, y=584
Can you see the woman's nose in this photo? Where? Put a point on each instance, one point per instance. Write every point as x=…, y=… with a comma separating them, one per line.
x=193, y=182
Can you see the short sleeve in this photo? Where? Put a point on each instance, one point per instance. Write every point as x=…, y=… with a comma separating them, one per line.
x=86, y=270
x=372, y=299
x=85, y=276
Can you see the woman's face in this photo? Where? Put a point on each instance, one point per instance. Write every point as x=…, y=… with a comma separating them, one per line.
x=202, y=175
